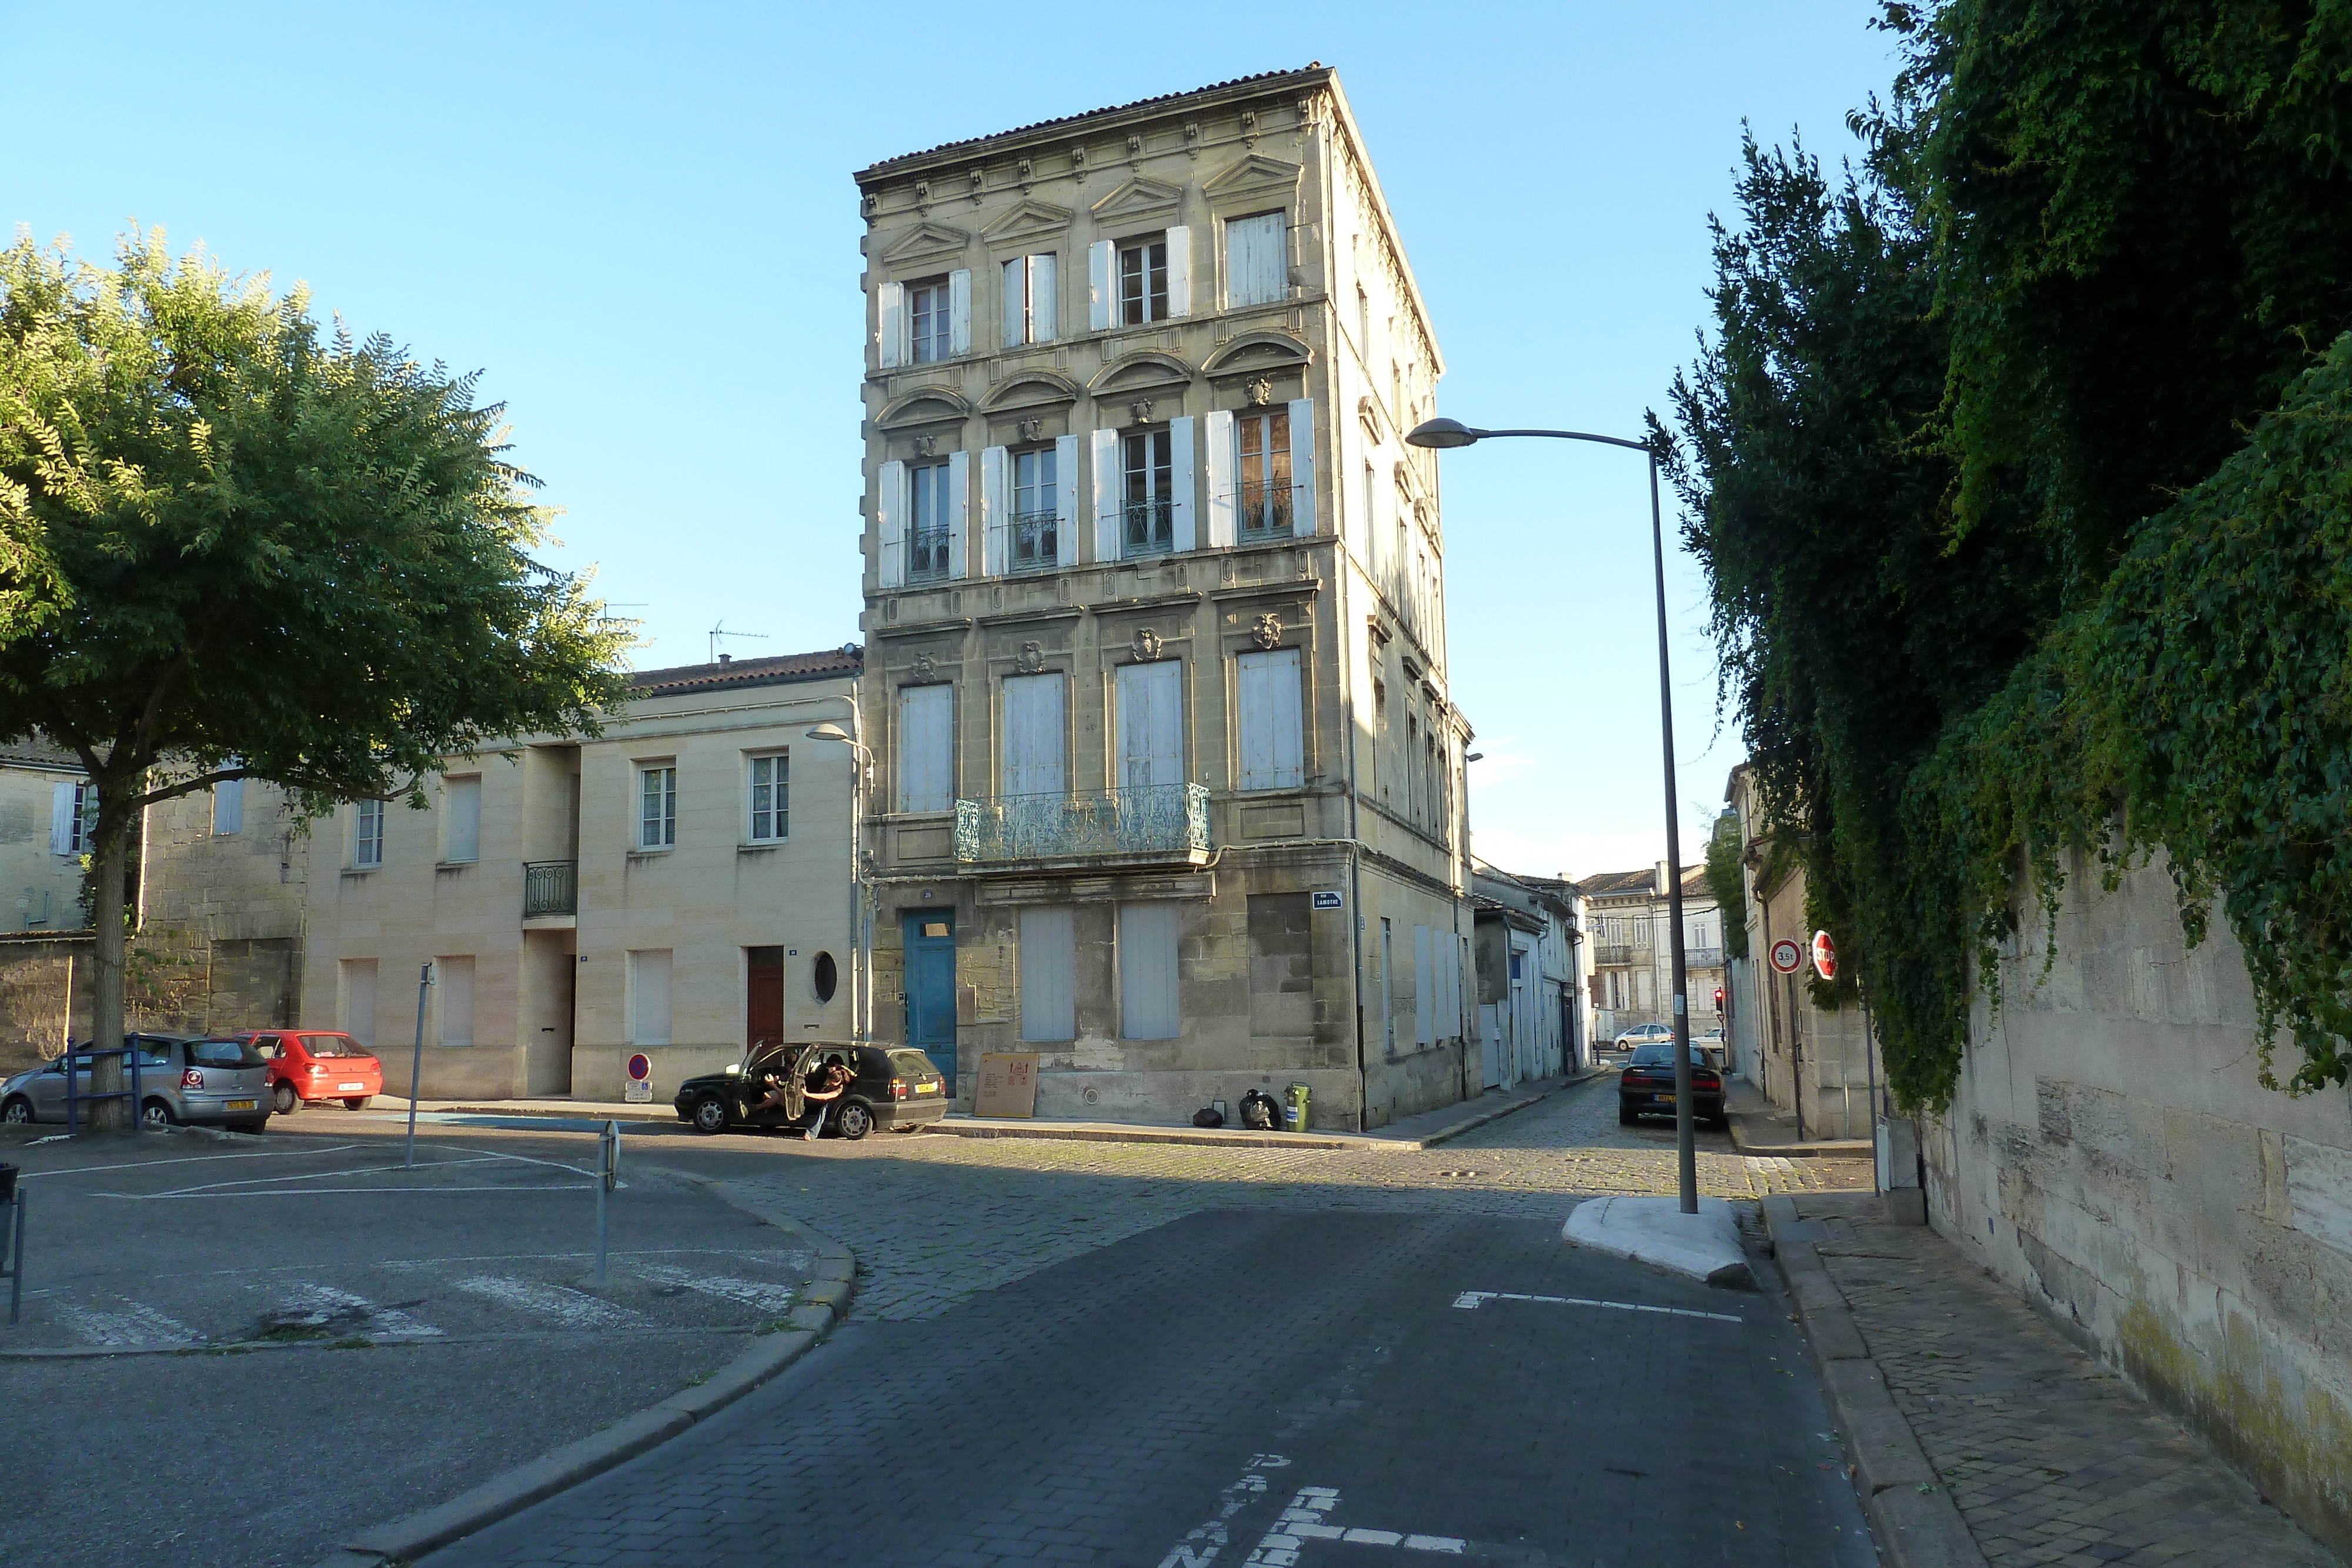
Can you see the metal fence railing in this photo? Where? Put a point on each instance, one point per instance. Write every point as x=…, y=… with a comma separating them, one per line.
x=550, y=887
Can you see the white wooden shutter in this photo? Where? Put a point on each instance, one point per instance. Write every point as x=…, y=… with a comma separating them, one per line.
x=1151, y=724
x=1421, y=987
x=1065, y=485
x=891, y=325
x=1101, y=262
x=228, y=806
x=992, y=505
x=959, y=513
x=1180, y=479
x=1049, y=962
x=890, y=503
x=358, y=1019
x=1302, y=466
x=452, y=983
x=1107, y=519
x=1217, y=450
x=1045, y=307
x=1180, y=271
x=1257, y=260
x=649, y=999
x=61, y=817
x=925, y=748
x=1033, y=735
x=461, y=799
x=960, y=311
x=1147, y=972
x=1016, y=302
x=1273, y=743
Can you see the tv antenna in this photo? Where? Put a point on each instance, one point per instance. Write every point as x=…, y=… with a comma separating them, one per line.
x=721, y=630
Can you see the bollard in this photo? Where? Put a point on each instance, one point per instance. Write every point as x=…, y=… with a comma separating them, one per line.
x=1294, y=1114
x=12, y=1245
x=608, y=1163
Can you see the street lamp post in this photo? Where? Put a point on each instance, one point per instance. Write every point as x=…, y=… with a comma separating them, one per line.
x=1441, y=435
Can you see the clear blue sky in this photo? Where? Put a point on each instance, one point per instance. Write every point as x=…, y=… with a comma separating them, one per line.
x=638, y=222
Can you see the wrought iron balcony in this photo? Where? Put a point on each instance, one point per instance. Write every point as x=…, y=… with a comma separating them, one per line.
x=1150, y=527
x=1141, y=819
x=1620, y=953
x=1034, y=541
x=1264, y=510
x=1702, y=957
x=549, y=887
x=927, y=554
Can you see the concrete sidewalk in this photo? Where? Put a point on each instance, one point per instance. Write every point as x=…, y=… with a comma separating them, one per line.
x=1982, y=1436
x=1760, y=1127
x=1424, y=1130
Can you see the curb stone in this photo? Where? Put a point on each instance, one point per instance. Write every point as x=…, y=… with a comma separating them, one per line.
x=1917, y=1524
x=403, y=1541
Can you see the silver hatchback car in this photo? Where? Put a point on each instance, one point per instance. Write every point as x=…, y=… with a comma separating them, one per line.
x=182, y=1078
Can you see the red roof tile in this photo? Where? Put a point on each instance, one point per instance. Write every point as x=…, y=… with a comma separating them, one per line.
x=782, y=670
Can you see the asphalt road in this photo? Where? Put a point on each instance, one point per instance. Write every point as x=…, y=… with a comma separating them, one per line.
x=1260, y=1387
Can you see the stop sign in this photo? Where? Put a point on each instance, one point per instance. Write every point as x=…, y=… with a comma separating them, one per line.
x=1824, y=956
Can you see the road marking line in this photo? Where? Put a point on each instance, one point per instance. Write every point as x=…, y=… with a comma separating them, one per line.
x=1303, y=1522
x=320, y=1302
x=184, y=1160
x=316, y=1175
x=316, y=1191
x=757, y=1294
x=1470, y=1302
x=131, y=1325
x=1200, y=1547
x=576, y=1309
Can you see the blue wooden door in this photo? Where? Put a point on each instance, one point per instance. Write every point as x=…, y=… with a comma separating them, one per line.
x=930, y=989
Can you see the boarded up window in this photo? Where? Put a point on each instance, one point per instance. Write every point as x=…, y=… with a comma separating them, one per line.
x=1257, y=261
x=1151, y=724
x=925, y=748
x=1423, y=987
x=1272, y=734
x=1282, y=969
x=1033, y=735
x=1048, y=974
x=1147, y=972
x=452, y=983
x=461, y=799
x=649, y=997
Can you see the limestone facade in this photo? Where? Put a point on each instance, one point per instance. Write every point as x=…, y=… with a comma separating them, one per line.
x=1628, y=917
x=41, y=848
x=672, y=887
x=1168, y=781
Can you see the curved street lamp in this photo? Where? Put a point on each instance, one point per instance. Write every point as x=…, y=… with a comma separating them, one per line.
x=1444, y=435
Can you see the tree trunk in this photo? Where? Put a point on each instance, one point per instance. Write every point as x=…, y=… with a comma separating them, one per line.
x=106, y=1076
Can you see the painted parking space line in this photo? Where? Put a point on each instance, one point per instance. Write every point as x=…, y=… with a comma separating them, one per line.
x=1199, y=1547
x=1471, y=1301
x=184, y=1160
x=768, y=1297
x=1304, y=1521
x=573, y=1308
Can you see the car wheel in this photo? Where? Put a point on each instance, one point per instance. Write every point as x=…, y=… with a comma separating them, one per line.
x=355, y=1102
x=17, y=1111
x=711, y=1114
x=283, y=1100
x=1626, y=1115
x=156, y=1114
x=854, y=1121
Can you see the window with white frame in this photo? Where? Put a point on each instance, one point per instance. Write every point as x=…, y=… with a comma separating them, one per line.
x=367, y=833
x=927, y=541
x=1035, y=540
x=1147, y=492
x=657, y=805
x=461, y=829
x=1257, y=260
x=770, y=782
x=1029, y=303
x=73, y=818
x=1262, y=462
x=927, y=748
x=1273, y=731
x=929, y=315
x=1143, y=280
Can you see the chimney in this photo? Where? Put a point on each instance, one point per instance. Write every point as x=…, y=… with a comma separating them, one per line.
x=729, y=658
x=1664, y=886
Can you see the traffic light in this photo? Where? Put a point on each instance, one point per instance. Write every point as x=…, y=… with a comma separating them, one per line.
x=1719, y=999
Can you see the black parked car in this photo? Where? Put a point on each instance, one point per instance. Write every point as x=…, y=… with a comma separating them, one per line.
x=1646, y=1087
x=895, y=1087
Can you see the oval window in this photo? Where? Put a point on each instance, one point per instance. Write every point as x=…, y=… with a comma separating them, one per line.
x=826, y=977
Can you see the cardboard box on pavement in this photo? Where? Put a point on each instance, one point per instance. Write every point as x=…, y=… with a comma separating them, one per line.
x=1008, y=1084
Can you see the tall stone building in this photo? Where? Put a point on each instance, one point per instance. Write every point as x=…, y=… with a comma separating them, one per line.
x=1167, y=779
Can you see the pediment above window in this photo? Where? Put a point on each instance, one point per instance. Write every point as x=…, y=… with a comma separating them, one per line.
x=1131, y=373
x=1139, y=200
x=1252, y=176
x=924, y=242
x=1028, y=220
x=1257, y=352
x=925, y=405
x=1029, y=388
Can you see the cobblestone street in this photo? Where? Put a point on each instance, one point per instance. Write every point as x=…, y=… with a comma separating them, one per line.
x=934, y=1219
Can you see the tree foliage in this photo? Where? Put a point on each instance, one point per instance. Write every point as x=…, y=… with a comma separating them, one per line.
x=230, y=548
x=1952, y=403
x=1725, y=881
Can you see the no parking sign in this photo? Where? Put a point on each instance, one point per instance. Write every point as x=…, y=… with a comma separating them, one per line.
x=639, y=1089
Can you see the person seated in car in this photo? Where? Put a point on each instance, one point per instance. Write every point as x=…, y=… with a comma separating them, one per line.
x=779, y=1082
x=827, y=1080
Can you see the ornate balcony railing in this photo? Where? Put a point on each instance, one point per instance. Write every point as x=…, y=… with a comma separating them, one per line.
x=1620, y=953
x=550, y=887
x=1264, y=510
x=1152, y=819
x=1150, y=527
x=927, y=554
x=1034, y=541
x=1702, y=957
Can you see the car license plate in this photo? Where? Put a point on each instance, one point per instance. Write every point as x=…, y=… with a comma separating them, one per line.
x=240, y=1105
x=927, y=1088
x=1665, y=1099
x=350, y=1088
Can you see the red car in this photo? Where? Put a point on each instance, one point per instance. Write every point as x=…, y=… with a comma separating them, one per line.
x=309, y=1064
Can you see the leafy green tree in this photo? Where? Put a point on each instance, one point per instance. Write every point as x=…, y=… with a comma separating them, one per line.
x=1725, y=881
x=231, y=549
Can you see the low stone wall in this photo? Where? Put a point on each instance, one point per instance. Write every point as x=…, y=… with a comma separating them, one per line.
x=172, y=980
x=2111, y=1154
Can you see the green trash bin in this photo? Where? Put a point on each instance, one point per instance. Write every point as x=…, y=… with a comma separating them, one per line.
x=1294, y=1114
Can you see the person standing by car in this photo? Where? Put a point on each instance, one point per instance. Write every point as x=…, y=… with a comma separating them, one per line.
x=825, y=1084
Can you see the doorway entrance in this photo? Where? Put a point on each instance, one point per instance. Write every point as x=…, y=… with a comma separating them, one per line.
x=763, y=998
x=930, y=988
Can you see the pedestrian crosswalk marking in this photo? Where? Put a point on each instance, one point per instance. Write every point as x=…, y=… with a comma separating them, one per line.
x=129, y=1324
x=573, y=1308
x=767, y=1297
x=1471, y=1301
x=1304, y=1521
x=320, y=1304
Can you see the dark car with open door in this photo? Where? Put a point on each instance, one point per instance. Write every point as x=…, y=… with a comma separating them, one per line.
x=889, y=1086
